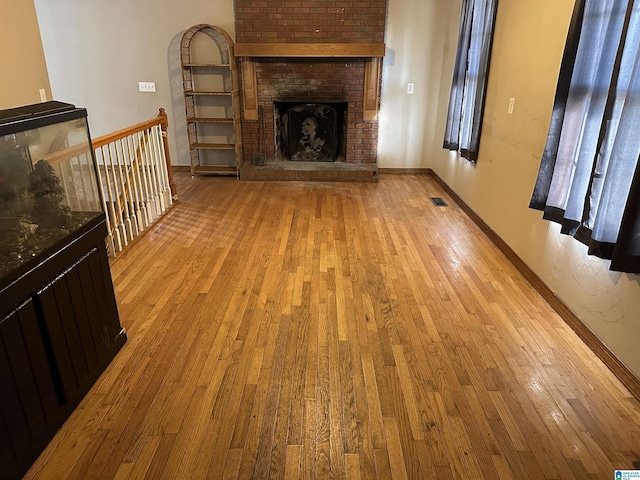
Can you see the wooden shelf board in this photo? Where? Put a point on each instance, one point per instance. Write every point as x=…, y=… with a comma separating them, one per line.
x=310, y=49
x=194, y=92
x=215, y=170
x=206, y=65
x=209, y=120
x=213, y=146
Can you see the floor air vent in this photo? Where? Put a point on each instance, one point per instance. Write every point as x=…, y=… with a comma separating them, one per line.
x=438, y=202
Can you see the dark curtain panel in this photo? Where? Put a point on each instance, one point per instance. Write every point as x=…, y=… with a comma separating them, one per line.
x=466, y=102
x=545, y=174
x=588, y=179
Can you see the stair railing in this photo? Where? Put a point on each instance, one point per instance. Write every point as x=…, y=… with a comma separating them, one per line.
x=134, y=171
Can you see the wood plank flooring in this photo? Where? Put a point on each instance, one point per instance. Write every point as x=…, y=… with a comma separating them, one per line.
x=338, y=330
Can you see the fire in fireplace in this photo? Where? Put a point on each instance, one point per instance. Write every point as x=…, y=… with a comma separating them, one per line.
x=310, y=132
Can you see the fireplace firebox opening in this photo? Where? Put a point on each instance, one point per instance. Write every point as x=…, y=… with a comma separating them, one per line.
x=310, y=132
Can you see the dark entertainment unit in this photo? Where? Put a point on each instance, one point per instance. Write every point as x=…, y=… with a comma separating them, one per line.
x=59, y=324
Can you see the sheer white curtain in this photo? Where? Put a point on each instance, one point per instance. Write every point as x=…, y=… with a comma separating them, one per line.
x=586, y=179
x=466, y=102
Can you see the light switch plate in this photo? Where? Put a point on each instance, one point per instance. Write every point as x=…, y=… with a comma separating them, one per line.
x=147, y=86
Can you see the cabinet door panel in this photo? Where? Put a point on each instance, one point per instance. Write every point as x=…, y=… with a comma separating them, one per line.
x=10, y=405
x=7, y=457
x=101, y=338
x=70, y=327
x=42, y=374
x=59, y=346
x=105, y=296
x=20, y=367
x=80, y=317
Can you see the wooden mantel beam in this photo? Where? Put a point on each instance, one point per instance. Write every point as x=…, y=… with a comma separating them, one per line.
x=310, y=50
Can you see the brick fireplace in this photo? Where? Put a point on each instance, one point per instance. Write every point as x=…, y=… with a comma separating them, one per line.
x=312, y=52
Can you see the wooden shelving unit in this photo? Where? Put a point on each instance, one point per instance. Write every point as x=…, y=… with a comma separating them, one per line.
x=212, y=102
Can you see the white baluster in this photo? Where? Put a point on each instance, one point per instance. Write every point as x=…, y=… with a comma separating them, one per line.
x=122, y=232
x=165, y=167
x=88, y=192
x=137, y=185
x=108, y=204
x=123, y=197
x=128, y=163
x=166, y=188
x=62, y=177
x=158, y=173
x=153, y=181
x=153, y=185
x=148, y=193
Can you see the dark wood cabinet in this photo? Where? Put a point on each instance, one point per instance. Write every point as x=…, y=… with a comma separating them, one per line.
x=59, y=329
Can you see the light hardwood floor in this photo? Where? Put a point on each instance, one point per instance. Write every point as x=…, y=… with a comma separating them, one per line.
x=323, y=330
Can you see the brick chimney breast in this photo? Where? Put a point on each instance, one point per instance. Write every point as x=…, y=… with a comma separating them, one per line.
x=311, y=21
x=316, y=78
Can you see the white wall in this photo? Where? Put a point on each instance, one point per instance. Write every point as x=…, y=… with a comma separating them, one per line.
x=418, y=48
x=97, y=51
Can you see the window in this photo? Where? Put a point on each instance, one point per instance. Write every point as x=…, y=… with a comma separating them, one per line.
x=588, y=179
x=466, y=103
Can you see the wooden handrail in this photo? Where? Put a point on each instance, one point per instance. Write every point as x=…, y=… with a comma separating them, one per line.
x=63, y=155
x=161, y=120
x=125, y=132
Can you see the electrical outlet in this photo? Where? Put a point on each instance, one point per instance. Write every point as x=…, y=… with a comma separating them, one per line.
x=147, y=86
x=43, y=95
x=409, y=88
x=512, y=103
